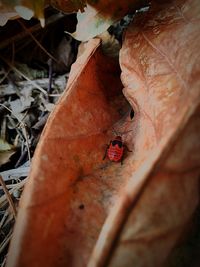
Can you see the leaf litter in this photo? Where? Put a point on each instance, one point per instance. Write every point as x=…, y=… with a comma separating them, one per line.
x=26, y=136
x=30, y=85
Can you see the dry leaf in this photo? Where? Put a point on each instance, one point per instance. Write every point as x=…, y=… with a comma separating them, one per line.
x=6, y=151
x=137, y=211
x=23, y=103
x=160, y=72
x=24, y=8
x=99, y=15
x=69, y=6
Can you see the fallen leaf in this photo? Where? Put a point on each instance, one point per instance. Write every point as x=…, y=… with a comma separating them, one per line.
x=78, y=210
x=49, y=106
x=24, y=8
x=99, y=15
x=6, y=151
x=69, y=6
x=23, y=103
x=6, y=15
x=4, y=146
x=160, y=71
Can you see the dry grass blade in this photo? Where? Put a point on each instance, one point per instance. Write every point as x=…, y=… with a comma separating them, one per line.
x=10, y=201
x=5, y=241
x=4, y=218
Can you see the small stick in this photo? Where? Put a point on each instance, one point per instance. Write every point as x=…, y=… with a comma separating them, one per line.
x=22, y=125
x=18, y=186
x=50, y=76
x=21, y=158
x=5, y=241
x=10, y=201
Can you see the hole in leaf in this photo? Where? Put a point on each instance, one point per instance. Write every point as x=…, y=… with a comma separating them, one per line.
x=81, y=207
x=132, y=113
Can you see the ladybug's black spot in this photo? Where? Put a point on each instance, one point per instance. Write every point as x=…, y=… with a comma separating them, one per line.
x=81, y=207
x=132, y=113
x=117, y=142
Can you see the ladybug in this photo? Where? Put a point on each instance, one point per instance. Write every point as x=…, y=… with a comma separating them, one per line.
x=115, y=150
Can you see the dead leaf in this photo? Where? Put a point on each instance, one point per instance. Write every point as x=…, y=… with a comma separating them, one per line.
x=24, y=8
x=99, y=15
x=4, y=146
x=134, y=213
x=69, y=6
x=21, y=104
x=49, y=106
x=160, y=71
x=6, y=151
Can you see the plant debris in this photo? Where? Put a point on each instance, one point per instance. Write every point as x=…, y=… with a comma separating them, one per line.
x=30, y=85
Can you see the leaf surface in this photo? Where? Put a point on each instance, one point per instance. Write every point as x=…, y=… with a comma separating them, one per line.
x=160, y=71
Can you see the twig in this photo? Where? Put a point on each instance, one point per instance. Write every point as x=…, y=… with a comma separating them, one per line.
x=21, y=158
x=10, y=186
x=5, y=75
x=18, y=186
x=5, y=241
x=4, y=262
x=3, y=218
x=10, y=201
x=26, y=137
x=50, y=76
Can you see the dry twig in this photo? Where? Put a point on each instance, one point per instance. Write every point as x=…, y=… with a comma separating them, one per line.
x=10, y=201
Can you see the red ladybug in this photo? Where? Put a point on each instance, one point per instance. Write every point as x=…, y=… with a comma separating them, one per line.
x=115, y=150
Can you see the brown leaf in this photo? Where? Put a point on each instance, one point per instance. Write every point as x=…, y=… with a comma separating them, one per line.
x=162, y=84
x=71, y=189
x=69, y=6
x=140, y=208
